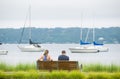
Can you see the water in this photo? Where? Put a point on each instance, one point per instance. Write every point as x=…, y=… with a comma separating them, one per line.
x=15, y=56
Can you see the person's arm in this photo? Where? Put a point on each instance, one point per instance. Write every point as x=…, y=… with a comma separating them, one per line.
x=49, y=58
x=41, y=58
x=58, y=57
x=67, y=57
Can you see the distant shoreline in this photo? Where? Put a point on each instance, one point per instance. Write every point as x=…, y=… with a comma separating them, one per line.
x=59, y=35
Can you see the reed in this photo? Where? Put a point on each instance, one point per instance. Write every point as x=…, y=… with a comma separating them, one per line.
x=101, y=68
x=86, y=67
x=59, y=75
x=6, y=67
x=99, y=75
x=25, y=67
x=18, y=67
x=115, y=76
x=76, y=75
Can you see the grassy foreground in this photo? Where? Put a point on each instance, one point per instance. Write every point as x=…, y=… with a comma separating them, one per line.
x=89, y=71
x=58, y=75
x=18, y=67
x=86, y=67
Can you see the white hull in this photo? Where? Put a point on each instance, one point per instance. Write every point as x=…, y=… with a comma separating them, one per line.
x=101, y=48
x=83, y=50
x=88, y=49
x=3, y=52
x=30, y=48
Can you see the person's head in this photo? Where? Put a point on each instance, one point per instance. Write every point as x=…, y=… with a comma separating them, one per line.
x=63, y=52
x=46, y=52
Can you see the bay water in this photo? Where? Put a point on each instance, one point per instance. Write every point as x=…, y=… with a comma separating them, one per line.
x=15, y=56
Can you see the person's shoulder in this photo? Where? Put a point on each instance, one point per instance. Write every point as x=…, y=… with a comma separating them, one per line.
x=60, y=56
x=49, y=56
x=68, y=56
x=42, y=55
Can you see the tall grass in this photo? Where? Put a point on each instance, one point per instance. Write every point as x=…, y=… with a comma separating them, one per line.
x=59, y=75
x=6, y=67
x=76, y=75
x=29, y=71
x=86, y=67
x=101, y=68
x=25, y=67
x=18, y=67
x=103, y=75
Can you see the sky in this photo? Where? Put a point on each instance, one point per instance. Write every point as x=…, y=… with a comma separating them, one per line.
x=60, y=13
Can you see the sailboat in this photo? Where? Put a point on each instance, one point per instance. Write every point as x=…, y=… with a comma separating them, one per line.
x=3, y=52
x=31, y=47
x=85, y=47
x=99, y=46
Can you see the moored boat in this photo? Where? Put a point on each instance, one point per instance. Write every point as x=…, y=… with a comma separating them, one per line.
x=82, y=49
x=31, y=48
x=102, y=48
x=3, y=52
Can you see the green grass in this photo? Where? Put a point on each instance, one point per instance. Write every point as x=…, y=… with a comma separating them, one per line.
x=103, y=75
x=58, y=75
x=18, y=67
x=29, y=71
x=86, y=67
x=101, y=68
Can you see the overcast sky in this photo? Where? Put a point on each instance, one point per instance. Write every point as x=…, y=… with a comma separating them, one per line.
x=60, y=13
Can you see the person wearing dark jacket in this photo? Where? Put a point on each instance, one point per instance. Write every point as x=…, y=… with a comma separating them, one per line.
x=63, y=56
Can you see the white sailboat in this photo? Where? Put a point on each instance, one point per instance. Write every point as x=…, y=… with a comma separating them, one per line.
x=3, y=52
x=31, y=47
x=84, y=47
x=100, y=47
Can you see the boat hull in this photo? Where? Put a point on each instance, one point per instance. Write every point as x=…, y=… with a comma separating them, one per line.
x=102, y=48
x=83, y=50
x=3, y=52
x=30, y=48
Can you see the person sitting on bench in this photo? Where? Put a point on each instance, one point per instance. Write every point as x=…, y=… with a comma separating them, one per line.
x=63, y=56
x=45, y=56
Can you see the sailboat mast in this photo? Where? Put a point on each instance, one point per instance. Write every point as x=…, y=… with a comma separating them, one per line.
x=81, y=26
x=93, y=34
x=93, y=28
x=29, y=21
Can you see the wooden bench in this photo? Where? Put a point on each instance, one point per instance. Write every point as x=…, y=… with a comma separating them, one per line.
x=57, y=65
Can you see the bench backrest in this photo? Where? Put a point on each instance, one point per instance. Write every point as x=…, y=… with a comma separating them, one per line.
x=57, y=65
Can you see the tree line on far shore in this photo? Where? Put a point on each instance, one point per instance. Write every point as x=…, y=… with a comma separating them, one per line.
x=59, y=35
